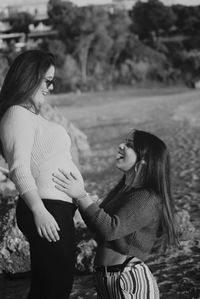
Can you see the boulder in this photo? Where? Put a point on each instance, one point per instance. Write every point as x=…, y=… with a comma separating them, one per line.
x=85, y=256
x=14, y=249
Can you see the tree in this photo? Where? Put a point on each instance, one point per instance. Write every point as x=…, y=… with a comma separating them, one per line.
x=151, y=16
x=64, y=17
x=92, y=35
x=81, y=29
x=120, y=33
x=93, y=42
x=188, y=19
x=57, y=47
x=20, y=21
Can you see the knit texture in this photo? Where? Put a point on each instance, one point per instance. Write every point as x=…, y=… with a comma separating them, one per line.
x=127, y=223
x=34, y=148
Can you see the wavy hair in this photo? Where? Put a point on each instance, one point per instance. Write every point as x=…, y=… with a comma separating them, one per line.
x=23, y=78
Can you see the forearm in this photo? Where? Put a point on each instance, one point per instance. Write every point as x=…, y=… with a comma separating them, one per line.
x=33, y=201
x=138, y=210
x=83, y=201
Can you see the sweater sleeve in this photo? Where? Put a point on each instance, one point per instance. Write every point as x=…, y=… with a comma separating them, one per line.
x=138, y=211
x=17, y=132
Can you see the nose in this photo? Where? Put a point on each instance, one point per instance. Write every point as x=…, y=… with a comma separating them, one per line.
x=121, y=146
x=51, y=87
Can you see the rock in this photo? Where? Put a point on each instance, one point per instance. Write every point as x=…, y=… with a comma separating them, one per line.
x=7, y=188
x=2, y=176
x=85, y=256
x=14, y=249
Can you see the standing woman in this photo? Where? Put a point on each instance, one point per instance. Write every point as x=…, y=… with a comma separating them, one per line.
x=135, y=217
x=34, y=147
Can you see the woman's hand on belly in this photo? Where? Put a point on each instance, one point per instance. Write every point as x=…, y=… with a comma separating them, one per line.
x=70, y=183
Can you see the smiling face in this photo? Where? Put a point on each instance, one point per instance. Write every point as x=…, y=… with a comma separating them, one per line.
x=44, y=88
x=126, y=157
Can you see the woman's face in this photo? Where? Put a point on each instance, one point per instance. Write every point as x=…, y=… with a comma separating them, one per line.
x=45, y=87
x=126, y=157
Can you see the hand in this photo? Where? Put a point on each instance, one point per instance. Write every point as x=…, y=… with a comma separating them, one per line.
x=69, y=183
x=46, y=225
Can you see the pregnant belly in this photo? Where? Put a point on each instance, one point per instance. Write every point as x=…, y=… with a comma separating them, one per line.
x=45, y=184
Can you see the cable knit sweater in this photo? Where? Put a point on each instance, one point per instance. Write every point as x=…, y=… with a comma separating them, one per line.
x=34, y=148
x=127, y=223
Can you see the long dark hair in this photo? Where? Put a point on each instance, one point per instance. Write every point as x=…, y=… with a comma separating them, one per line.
x=23, y=78
x=154, y=175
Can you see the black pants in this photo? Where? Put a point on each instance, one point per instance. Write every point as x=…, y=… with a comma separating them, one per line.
x=52, y=263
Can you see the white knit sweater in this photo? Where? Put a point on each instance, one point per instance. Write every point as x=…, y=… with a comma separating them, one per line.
x=34, y=148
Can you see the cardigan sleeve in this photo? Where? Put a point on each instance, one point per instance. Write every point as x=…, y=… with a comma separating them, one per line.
x=17, y=132
x=138, y=210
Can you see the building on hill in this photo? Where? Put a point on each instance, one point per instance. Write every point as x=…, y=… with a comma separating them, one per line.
x=37, y=31
x=34, y=7
x=38, y=9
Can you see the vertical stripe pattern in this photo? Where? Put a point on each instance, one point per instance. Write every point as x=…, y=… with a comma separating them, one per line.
x=135, y=282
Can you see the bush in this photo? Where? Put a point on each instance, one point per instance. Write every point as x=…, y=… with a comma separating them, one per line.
x=68, y=75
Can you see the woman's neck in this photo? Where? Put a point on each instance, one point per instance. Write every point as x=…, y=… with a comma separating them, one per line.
x=129, y=178
x=30, y=107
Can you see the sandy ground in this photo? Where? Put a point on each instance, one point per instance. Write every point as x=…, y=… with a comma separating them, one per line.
x=173, y=114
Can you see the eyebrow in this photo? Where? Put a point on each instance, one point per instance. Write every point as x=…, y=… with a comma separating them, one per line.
x=129, y=140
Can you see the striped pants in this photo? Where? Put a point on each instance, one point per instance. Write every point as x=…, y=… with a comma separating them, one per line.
x=135, y=281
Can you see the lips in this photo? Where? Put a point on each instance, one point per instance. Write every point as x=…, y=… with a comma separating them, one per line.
x=120, y=156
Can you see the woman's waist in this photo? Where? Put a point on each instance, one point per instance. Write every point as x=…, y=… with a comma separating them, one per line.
x=54, y=162
x=46, y=168
x=45, y=172
x=50, y=192
x=107, y=256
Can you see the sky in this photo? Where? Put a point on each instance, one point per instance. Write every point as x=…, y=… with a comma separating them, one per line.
x=166, y=2
x=183, y=2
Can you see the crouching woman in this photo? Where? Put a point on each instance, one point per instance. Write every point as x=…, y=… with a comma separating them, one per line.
x=136, y=216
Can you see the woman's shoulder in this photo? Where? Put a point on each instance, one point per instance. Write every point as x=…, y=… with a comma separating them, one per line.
x=145, y=194
x=17, y=112
x=20, y=109
x=17, y=117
